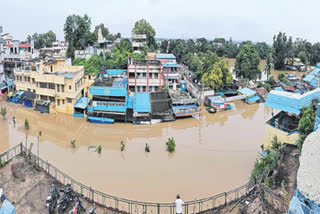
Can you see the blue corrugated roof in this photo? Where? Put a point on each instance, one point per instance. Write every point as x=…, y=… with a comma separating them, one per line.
x=142, y=102
x=69, y=76
x=116, y=71
x=247, y=91
x=253, y=99
x=291, y=102
x=314, y=83
x=315, y=71
x=82, y=103
x=217, y=99
x=278, y=89
x=120, y=82
x=308, y=78
x=165, y=56
x=168, y=65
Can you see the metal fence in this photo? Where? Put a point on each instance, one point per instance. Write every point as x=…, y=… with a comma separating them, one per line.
x=125, y=205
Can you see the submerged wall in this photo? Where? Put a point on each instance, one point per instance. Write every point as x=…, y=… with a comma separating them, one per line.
x=284, y=137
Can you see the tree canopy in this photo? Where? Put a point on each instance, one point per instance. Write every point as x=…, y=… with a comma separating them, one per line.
x=218, y=76
x=77, y=33
x=43, y=39
x=247, y=63
x=143, y=27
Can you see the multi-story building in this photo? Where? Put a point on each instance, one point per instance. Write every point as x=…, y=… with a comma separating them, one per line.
x=109, y=99
x=53, y=81
x=170, y=69
x=145, y=76
x=2, y=74
x=138, y=42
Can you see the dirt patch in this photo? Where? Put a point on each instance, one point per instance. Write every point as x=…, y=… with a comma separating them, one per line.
x=27, y=187
x=16, y=170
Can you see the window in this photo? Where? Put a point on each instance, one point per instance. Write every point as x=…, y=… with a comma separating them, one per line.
x=70, y=87
x=38, y=67
x=33, y=80
x=156, y=75
x=89, y=77
x=69, y=100
x=43, y=85
x=28, y=79
x=29, y=89
x=34, y=91
x=58, y=88
x=63, y=102
x=58, y=102
x=62, y=88
x=25, y=79
x=51, y=86
x=20, y=78
x=51, y=68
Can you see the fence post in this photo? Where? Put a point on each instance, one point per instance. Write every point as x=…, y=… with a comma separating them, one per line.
x=158, y=208
x=20, y=148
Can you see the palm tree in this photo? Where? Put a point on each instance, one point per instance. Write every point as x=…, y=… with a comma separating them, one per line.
x=26, y=127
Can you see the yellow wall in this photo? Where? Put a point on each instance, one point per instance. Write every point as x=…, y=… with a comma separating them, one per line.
x=284, y=137
x=88, y=79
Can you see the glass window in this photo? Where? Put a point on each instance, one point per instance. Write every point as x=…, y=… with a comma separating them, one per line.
x=58, y=101
x=63, y=102
x=69, y=87
x=69, y=100
x=62, y=88
x=58, y=88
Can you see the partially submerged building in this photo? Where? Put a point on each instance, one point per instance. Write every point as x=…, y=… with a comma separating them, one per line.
x=284, y=124
x=250, y=95
x=109, y=99
x=53, y=81
x=145, y=76
x=170, y=69
x=184, y=105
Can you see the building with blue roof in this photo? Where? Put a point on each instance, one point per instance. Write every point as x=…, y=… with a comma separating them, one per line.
x=109, y=99
x=170, y=69
x=284, y=124
x=251, y=95
x=313, y=78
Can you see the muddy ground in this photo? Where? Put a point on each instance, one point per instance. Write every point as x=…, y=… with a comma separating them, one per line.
x=28, y=187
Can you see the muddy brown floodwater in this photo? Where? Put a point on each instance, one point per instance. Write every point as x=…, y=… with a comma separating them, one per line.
x=213, y=154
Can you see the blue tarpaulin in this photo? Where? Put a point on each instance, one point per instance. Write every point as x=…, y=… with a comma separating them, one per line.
x=308, y=78
x=299, y=204
x=142, y=102
x=116, y=71
x=166, y=65
x=278, y=89
x=315, y=71
x=7, y=208
x=165, y=56
x=175, y=108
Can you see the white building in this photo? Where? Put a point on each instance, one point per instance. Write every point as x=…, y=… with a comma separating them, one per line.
x=2, y=74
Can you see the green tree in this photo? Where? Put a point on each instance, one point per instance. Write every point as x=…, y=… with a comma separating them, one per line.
x=219, y=76
x=307, y=121
x=303, y=57
x=171, y=144
x=208, y=60
x=73, y=143
x=263, y=49
x=164, y=46
x=77, y=33
x=3, y=112
x=43, y=39
x=247, y=63
x=282, y=46
x=143, y=27
x=104, y=30
x=269, y=65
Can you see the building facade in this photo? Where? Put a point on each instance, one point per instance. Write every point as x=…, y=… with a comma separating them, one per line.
x=52, y=81
x=138, y=42
x=170, y=69
x=145, y=76
x=2, y=74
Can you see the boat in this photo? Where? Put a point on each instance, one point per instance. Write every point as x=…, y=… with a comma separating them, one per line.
x=218, y=103
x=101, y=120
x=211, y=110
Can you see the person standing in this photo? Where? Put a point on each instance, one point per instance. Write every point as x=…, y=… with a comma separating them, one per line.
x=179, y=204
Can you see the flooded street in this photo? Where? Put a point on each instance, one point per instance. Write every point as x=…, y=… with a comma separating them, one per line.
x=213, y=154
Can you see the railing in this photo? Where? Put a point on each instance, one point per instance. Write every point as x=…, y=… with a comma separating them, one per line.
x=125, y=205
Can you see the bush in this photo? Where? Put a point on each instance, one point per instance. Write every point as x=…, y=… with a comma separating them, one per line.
x=99, y=148
x=73, y=143
x=267, y=86
x=3, y=112
x=147, y=148
x=122, y=145
x=171, y=144
x=276, y=144
x=2, y=164
x=264, y=164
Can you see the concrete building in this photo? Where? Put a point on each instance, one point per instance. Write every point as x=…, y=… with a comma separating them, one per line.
x=2, y=74
x=57, y=49
x=52, y=81
x=284, y=124
x=138, y=42
x=170, y=69
x=145, y=76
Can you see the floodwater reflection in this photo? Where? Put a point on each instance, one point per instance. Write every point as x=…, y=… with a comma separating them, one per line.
x=214, y=153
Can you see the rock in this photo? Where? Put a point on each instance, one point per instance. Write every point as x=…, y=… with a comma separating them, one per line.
x=308, y=181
